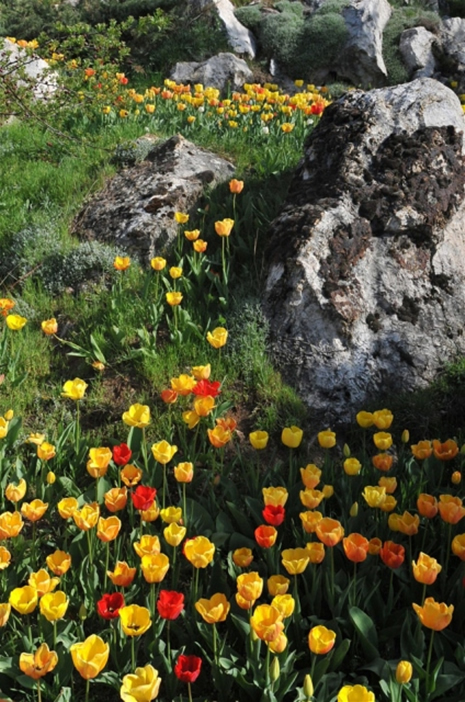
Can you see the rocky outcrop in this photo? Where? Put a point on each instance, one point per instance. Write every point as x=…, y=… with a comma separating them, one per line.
x=416, y=48
x=135, y=210
x=453, y=49
x=241, y=39
x=221, y=71
x=366, y=287
x=362, y=55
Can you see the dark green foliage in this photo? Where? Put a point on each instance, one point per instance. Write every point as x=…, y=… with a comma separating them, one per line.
x=250, y=16
x=457, y=8
x=26, y=19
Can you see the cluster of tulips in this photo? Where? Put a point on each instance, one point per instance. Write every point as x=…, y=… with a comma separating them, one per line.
x=142, y=499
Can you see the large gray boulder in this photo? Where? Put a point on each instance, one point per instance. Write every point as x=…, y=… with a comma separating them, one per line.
x=219, y=71
x=453, y=48
x=135, y=210
x=366, y=284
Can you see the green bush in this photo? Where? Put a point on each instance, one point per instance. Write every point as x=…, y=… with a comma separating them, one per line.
x=250, y=17
x=26, y=19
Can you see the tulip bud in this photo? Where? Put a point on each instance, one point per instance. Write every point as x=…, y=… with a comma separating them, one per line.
x=328, y=491
x=274, y=670
x=308, y=687
x=456, y=477
x=462, y=450
x=346, y=451
x=404, y=672
x=405, y=438
x=354, y=510
x=253, y=635
x=51, y=477
x=9, y=415
x=83, y=612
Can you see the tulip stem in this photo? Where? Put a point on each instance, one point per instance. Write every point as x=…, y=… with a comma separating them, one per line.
x=87, y=690
x=332, y=575
x=168, y=641
x=448, y=549
x=77, y=432
x=189, y=691
x=165, y=485
x=89, y=546
x=354, y=601
x=215, y=652
x=267, y=667
x=133, y=653
x=144, y=451
x=54, y=635
x=39, y=692
x=107, y=565
x=184, y=509
x=428, y=662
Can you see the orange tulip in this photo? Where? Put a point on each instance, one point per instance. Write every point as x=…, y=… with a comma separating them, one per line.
x=458, y=546
x=310, y=521
x=422, y=450
x=310, y=476
x=427, y=505
x=434, y=615
x=321, y=640
x=329, y=531
x=33, y=511
x=451, y=509
x=108, y=529
x=355, y=547
x=131, y=475
x=122, y=575
x=39, y=663
x=116, y=499
x=316, y=551
x=383, y=461
x=446, y=451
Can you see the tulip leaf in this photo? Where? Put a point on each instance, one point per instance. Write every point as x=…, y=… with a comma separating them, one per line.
x=65, y=695
x=444, y=683
x=241, y=520
x=110, y=678
x=6, y=667
x=98, y=353
x=366, y=630
x=412, y=638
x=339, y=654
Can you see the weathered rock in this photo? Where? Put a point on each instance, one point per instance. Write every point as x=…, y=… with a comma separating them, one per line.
x=360, y=58
x=241, y=39
x=366, y=285
x=135, y=210
x=219, y=71
x=453, y=48
x=416, y=48
x=38, y=76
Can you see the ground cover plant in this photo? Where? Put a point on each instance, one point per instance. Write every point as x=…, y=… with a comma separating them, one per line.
x=172, y=526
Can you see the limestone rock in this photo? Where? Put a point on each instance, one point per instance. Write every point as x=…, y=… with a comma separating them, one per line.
x=416, y=47
x=135, y=210
x=366, y=286
x=241, y=39
x=218, y=72
x=360, y=59
x=41, y=80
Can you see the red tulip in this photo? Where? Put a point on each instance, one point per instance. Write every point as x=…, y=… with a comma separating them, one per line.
x=392, y=554
x=170, y=604
x=109, y=606
x=121, y=454
x=143, y=497
x=206, y=388
x=274, y=514
x=187, y=668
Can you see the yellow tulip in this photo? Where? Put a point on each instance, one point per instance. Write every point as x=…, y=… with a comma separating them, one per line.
x=163, y=452
x=267, y=622
x=184, y=472
x=90, y=656
x=11, y=524
x=15, y=322
x=224, y=227
x=53, y=605
x=14, y=492
x=137, y=416
x=35, y=510
x=87, y=517
x=46, y=451
x=154, y=567
x=49, y=326
x=148, y=545
x=141, y=686
x=59, y=562
x=158, y=263
x=174, y=533
x=218, y=337
x=5, y=611
x=135, y=620
x=215, y=609
x=108, y=529
x=99, y=460
x=24, y=599
x=292, y=436
x=199, y=551
x=5, y=558
x=275, y=496
x=295, y=560
x=74, y=389
x=67, y=506
x=259, y=439
x=42, y=582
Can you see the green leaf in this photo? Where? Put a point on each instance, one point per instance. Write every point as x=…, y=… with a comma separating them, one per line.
x=339, y=654
x=65, y=695
x=98, y=353
x=366, y=630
